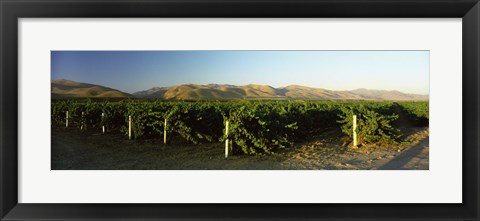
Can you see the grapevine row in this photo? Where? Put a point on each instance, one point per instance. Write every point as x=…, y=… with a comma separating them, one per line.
x=255, y=127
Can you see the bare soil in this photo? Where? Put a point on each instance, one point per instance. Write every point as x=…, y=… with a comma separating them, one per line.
x=87, y=150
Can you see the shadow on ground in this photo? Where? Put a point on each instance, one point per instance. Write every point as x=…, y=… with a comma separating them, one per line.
x=415, y=157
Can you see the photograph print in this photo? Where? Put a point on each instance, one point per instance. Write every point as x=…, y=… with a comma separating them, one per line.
x=240, y=110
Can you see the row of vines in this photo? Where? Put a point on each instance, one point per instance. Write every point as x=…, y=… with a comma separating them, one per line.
x=256, y=127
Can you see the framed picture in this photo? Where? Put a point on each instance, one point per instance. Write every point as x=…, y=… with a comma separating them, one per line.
x=239, y=110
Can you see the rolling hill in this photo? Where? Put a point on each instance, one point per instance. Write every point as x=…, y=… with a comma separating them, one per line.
x=388, y=95
x=224, y=91
x=67, y=88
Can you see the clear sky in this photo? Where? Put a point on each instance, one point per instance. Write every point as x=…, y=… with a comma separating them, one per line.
x=132, y=71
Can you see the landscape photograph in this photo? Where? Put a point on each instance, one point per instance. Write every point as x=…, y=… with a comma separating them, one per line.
x=240, y=110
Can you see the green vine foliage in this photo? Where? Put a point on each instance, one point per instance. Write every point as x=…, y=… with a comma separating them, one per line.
x=372, y=127
x=260, y=129
x=255, y=127
x=417, y=111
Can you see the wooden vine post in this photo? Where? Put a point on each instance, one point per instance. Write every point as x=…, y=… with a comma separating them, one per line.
x=226, y=140
x=165, y=132
x=66, y=120
x=81, y=127
x=129, y=127
x=103, y=126
x=354, y=130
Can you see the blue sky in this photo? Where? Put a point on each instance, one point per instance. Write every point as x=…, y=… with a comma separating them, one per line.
x=131, y=71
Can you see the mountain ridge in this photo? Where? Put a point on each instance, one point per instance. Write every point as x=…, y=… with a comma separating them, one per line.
x=226, y=91
x=68, y=88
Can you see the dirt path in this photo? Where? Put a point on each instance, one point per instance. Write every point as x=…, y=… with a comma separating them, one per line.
x=326, y=154
x=82, y=150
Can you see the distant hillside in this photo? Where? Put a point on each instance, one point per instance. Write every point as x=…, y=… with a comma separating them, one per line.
x=224, y=91
x=388, y=95
x=67, y=88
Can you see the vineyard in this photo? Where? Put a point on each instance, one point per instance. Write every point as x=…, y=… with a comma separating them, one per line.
x=254, y=127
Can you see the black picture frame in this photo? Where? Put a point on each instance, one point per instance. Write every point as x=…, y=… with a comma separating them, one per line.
x=11, y=10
